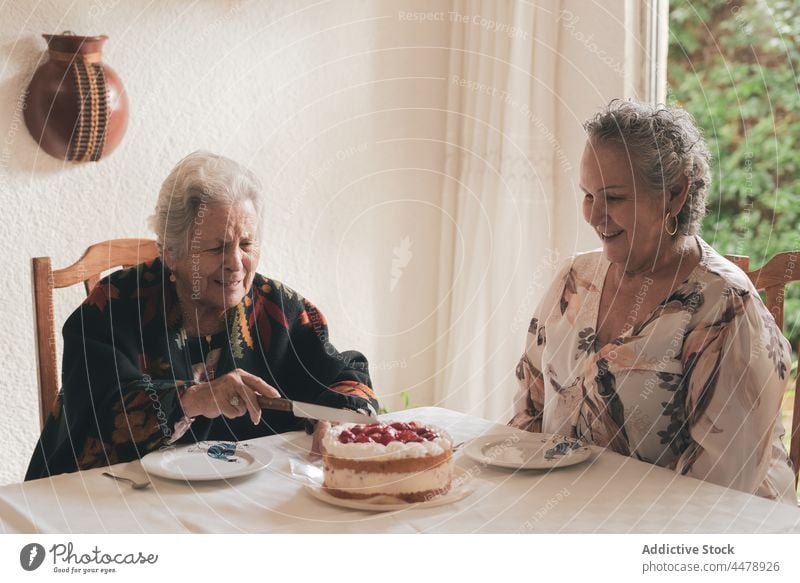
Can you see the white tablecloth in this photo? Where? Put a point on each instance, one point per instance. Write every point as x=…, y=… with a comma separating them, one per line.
x=608, y=493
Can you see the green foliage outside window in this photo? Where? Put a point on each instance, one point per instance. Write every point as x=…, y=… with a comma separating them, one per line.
x=735, y=65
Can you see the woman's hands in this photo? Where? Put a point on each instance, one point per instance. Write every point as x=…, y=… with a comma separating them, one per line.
x=231, y=395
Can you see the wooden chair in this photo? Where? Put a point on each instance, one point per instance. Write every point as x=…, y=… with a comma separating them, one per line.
x=772, y=278
x=88, y=270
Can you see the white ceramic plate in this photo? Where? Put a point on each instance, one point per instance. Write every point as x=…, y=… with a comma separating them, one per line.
x=528, y=451
x=459, y=490
x=193, y=462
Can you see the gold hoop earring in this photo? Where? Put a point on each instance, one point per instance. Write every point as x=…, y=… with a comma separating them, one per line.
x=673, y=231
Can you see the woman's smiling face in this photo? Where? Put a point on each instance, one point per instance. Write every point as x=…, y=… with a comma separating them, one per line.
x=222, y=256
x=623, y=210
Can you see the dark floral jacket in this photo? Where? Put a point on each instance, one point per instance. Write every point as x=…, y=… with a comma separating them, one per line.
x=126, y=361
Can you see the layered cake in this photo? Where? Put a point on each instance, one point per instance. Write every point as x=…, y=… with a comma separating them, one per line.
x=409, y=461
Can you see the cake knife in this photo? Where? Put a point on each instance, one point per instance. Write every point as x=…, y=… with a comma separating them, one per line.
x=312, y=411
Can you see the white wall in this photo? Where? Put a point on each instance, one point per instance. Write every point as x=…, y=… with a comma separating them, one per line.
x=314, y=96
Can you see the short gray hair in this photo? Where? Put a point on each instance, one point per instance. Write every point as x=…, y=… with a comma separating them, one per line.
x=201, y=178
x=664, y=144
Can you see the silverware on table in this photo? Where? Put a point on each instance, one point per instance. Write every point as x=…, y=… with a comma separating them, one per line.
x=134, y=484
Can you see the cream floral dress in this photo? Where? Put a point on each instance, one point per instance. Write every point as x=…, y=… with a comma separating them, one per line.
x=695, y=385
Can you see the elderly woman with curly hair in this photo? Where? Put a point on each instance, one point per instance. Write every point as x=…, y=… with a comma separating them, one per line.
x=178, y=350
x=655, y=346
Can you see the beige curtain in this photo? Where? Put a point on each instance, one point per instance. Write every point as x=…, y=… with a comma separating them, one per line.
x=497, y=234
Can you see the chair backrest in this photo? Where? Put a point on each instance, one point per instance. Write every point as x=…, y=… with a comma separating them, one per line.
x=772, y=278
x=88, y=270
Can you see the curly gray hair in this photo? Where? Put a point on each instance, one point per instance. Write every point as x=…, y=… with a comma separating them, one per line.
x=201, y=178
x=664, y=144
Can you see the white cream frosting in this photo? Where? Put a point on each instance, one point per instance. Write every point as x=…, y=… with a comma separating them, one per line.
x=370, y=484
x=378, y=452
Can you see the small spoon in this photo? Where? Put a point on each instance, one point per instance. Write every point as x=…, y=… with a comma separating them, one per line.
x=135, y=485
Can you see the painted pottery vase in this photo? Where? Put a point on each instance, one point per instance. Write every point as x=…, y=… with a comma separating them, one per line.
x=76, y=107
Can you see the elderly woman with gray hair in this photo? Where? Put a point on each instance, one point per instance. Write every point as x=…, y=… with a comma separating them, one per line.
x=178, y=350
x=655, y=346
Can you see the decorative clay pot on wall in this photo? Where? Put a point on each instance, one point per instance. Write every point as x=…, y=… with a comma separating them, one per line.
x=76, y=106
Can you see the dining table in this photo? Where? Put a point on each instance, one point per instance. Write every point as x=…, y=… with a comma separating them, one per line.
x=605, y=493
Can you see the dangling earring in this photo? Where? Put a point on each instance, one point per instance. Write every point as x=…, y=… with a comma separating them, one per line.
x=172, y=278
x=666, y=228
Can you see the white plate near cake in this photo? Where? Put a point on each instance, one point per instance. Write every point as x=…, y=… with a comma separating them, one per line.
x=207, y=460
x=528, y=451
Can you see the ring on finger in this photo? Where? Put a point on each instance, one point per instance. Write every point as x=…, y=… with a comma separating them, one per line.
x=234, y=401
